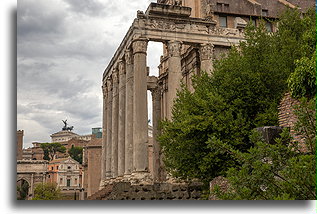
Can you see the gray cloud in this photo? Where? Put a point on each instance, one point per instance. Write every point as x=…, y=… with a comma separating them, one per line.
x=89, y=8
x=63, y=47
x=37, y=19
x=42, y=77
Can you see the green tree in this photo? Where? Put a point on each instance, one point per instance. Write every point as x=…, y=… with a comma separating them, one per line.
x=22, y=190
x=47, y=191
x=51, y=149
x=285, y=170
x=282, y=171
x=243, y=93
x=302, y=82
x=76, y=153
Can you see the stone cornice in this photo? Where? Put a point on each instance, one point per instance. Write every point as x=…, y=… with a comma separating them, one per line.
x=188, y=30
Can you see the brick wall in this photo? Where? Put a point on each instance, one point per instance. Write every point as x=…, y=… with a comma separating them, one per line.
x=287, y=118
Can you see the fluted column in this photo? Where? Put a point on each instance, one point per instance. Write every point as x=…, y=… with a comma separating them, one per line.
x=115, y=124
x=129, y=113
x=104, y=132
x=121, y=131
x=140, y=123
x=206, y=56
x=109, y=129
x=156, y=102
x=174, y=74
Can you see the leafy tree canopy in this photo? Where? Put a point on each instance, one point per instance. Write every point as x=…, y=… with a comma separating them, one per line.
x=47, y=191
x=282, y=171
x=243, y=93
x=51, y=149
x=76, y=153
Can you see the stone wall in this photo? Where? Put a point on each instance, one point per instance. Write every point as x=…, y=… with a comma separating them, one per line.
x=156, y=191
x=288, y=119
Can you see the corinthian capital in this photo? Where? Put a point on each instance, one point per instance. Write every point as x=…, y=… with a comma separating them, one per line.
x=121, y=67
x=174, y=48
x=104, y=90
x=139, y=46
x=206, y=51
x=128, y=57
x=109, y=84
x=115, y=76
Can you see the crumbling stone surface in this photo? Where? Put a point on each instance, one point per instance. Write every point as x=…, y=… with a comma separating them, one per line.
x=270, y=133
x=223, y=184
x=156, y=191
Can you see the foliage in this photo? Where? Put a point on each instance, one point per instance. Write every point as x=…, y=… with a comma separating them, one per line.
x=243, y=93
x=47, y=191
x=22, y=190
x=76, y=153
x=306, y=123
x=51, y=149
x=302, y=83
x=281, y=171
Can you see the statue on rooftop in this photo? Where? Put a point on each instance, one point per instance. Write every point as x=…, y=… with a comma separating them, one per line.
x=67, y=128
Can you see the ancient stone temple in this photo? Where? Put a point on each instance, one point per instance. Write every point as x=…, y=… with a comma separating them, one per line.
x=193, y=34
x=126, y=81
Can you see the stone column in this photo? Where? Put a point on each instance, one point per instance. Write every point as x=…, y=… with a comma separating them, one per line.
x=104, y=130
x=121, y=131
x=156, y=100
x=115, y=123
x=109, y=129
x=206, y=56
x=129, y=113
x=140, y=123
x=174, y=74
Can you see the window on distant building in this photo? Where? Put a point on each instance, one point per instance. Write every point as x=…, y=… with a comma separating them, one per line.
x=60, y=180
x=75, y=181
x=219, y=6
x=68, y=167
x=57, y=167
x=268, y=26
x=226, y=7
x=265, y=12
x=68, y=182
x=223, y=21
x=253, y=21
x=52, y=167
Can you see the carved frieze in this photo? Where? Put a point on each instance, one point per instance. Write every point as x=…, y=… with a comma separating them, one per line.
x=206, y=51
x=213, y=30
x=174, y=48
x=139, y=46
x=160, y=24
x=207, y=28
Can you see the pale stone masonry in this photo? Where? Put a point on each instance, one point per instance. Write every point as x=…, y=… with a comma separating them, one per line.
x=126, y=81
x=193, y=33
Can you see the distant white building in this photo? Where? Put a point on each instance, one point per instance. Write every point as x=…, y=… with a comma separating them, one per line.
x=66, y=173
x=65, y=135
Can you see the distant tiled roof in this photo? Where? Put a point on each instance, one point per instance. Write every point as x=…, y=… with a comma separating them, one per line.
x=58, y=160
x=95, y=142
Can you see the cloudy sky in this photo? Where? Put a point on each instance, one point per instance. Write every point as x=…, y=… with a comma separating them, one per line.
x=63, y=47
